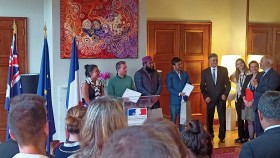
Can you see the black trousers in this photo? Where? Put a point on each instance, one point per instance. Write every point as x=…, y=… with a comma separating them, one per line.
x=242, y=125
x=221, y=108
x=258, y=127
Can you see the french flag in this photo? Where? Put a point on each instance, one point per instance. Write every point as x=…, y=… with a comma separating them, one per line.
x=137, y=112
x=73, y=91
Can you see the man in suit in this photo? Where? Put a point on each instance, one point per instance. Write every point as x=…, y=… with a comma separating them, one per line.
x=215, y=87
x=269, y=80
x=176, y=81
x=266, y=145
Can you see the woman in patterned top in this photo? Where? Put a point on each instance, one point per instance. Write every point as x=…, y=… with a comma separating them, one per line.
x=238, y=77
x=92, y=87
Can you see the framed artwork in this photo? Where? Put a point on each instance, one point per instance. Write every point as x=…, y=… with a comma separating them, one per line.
x=105, y=29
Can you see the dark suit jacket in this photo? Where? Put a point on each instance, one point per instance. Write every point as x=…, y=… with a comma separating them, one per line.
x=264, y=146
x=208, y=87
x=270, y=81
x=175, y=85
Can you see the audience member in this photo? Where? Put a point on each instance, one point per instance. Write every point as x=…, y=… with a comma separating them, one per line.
x=176, y=81
x=140, y=142
x=148, y=81
x=266, y=145
x=92, y=87
x=104, y=116
x=247, y=108
x=198, y=140
x=119, y=83
x=164, y=126
x=73, y=125
x=9, y=148
x=269, y=80
x=238, y=77
x=29, y=125
x=215, y=87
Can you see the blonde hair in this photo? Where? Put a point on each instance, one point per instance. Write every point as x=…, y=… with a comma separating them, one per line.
x=237, y=71
x=104, y=116
x=74, y=118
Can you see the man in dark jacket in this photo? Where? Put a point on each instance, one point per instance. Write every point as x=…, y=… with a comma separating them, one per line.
x=266, y=145
x=147, y=80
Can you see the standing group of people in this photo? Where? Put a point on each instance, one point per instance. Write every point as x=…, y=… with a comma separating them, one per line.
x=215, y=87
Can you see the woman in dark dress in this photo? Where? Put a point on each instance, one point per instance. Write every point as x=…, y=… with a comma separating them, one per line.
x=73, y=125
x=92, y=87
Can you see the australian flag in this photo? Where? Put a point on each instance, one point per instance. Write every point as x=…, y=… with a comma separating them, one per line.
x=13, y=82
x=44, y=89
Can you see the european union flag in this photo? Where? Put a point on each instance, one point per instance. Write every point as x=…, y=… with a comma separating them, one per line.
x=44, y=89
x=13, y=82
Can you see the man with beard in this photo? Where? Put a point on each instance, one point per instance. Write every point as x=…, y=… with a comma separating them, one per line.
x=176, y=81
x=147, y=80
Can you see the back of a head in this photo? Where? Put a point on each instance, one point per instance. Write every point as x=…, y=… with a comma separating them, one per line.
x=104, y=116
x=74, y=118
x=165, y=126
x=140, y=142
x=27, y=118
x=269, y=105
x=197, y=139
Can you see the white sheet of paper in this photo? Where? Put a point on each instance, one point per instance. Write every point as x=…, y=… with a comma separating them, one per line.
x=132, y=95
x=188, y=89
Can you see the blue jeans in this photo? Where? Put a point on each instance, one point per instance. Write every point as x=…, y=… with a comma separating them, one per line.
x=174, y=112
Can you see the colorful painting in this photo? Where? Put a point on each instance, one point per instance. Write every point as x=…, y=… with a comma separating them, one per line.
x=104, y=29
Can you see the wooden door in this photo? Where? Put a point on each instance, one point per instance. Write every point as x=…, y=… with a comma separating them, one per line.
x=259, y=39
x=163, y=44
x=6, y=35
x=190, y=42
x=276, y=48
x=195, y=47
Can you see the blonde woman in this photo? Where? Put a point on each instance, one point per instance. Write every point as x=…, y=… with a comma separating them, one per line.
x=238, y=77
x=73, y=123
x=104, y=116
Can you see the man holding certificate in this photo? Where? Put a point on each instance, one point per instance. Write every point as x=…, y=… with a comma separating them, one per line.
x=215, y=87
x=176, y=82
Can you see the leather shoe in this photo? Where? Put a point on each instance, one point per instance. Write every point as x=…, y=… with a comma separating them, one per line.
x=222, y=140
x=242, y=140
x=237, y=140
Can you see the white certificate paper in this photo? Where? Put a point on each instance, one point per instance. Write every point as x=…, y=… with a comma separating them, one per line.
x=188, y=89
x=132, y=95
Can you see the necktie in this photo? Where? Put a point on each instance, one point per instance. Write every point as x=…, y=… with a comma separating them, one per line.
x=214, y=76
x=179, y=75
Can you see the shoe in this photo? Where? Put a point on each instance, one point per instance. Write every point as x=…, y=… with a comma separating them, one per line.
x=222, y=140
x=237, y=140
x=243, y=140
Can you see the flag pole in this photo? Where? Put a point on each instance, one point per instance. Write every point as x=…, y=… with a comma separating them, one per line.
x=14, y=27
x=45, y=30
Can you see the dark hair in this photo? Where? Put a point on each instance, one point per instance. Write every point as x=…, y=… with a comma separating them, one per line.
x=27, y=118
x=165, y=126
x=269, y=105
x=118, y=65
x=140, y=142
x=89, y=69
x=253, y=61
x=212, y=55
x=74, y=118
x=175, y=60
x=197, y=139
